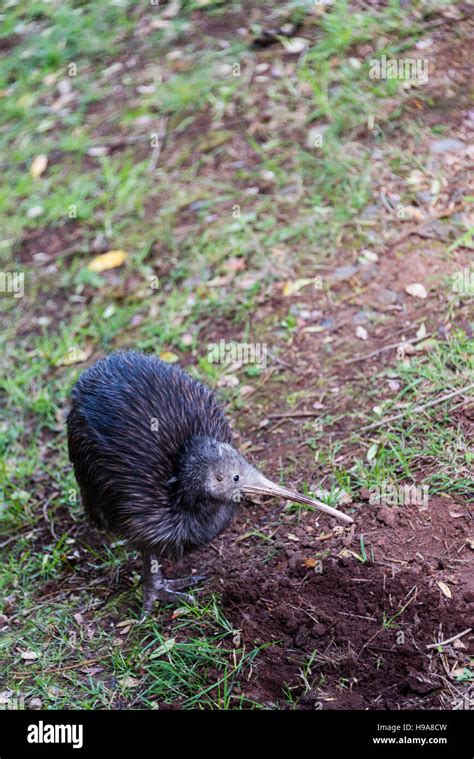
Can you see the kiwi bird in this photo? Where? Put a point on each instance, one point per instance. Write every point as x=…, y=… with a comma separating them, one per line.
x=153, y=456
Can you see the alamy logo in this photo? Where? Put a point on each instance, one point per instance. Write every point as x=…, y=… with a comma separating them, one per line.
x=463, y=282
x=399, y=495
x=12, y=282
x=241, y=353
x=405, y=69
x=42, y=733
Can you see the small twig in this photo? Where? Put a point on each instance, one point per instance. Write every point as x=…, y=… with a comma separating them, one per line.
x=48, y=520
x=10, y=540
x=293, y=414
x=416, y=409
x=384, y=348
x=450, y=640
x=352, y=296
x=397, y=614
x=75, y=665
x=415, y=230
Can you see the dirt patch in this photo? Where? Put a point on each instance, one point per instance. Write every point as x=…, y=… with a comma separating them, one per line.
x=338, y=641
x=347, y=634
x=42, y=246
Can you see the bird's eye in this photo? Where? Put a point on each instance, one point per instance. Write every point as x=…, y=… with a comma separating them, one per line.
x=236, y=477
x=218, y=478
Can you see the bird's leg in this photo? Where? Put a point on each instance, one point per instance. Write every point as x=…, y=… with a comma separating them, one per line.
x=157, y=587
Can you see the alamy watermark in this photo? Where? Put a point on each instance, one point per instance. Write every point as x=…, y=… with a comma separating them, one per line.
x=237, y=353
x=463, y=282
x=11, y=702
x=404, y=69
x=12, y=282
x=399, y=495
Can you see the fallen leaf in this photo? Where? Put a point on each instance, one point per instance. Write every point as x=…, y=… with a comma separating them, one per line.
x=421, y=332
x=172, y=9
x=368, y=257
x=28, y=655
x=234, y=264
x=213, y=140
x=170, y=357
x=108, y=311
x=426, y=345
x=164, y=648
x=372, y=452
x=129, y=682
x=39, y=165
x=75, y=356
x=295, y=45
x=34, y=212
x=416, y=290
x=345, y=498
x=92, y=670
x=293, y=286
x=110, y=260
x=246, y=389
x=444, y=588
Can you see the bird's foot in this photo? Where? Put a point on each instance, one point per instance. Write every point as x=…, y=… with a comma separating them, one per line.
x=168, y=591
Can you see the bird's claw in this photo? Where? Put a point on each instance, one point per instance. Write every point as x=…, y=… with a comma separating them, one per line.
x=168, y=591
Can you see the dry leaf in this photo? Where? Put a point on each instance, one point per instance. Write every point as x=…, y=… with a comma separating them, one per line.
x=172, y=9
x=295, y=45
x=421, y=332
x=246, y=389
x=170, y=357
x=38, y=165
x=92, y=670
x=426, y=345
x=105, y=261
x=444, y=588
x=164, y=648
x=234, y=264
x=361, y=333
x=75, y=356
x=292, y=287
x=129, y=682
x=126, y=623
x=416, y=290
x=28, y=655
x=372, y=452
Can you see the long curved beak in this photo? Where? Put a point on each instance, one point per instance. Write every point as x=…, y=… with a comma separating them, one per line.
x=257, y=484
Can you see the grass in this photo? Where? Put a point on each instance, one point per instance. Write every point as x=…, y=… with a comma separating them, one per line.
x=251, y=190
x=426, y=439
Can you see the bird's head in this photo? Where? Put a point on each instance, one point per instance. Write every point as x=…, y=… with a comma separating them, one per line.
x=218, y=472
